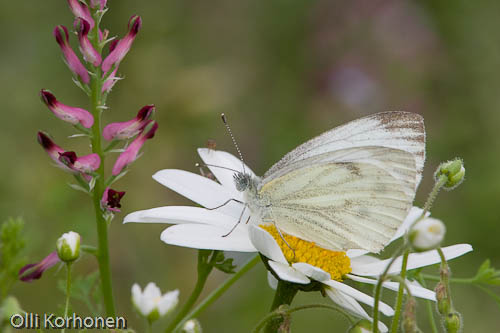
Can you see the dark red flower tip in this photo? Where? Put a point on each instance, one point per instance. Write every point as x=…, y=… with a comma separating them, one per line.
x=45, y=141
x=151, y=133
x=58, y=33
x=47, y=97
x=82, y=26
x=145, y=112
x=134, y=24
x=114, y=198
x=113, y=44
x=68, y=157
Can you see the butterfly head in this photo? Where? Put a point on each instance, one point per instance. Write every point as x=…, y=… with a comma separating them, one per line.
x=243, y=181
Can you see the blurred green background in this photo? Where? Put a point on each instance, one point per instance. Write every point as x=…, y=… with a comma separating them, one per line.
x=282, y=71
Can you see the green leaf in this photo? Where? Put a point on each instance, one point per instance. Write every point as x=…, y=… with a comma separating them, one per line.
x=223, y=264
x=83, y=289
x=12, y=243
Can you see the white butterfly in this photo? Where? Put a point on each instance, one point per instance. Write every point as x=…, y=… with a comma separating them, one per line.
x=348, y=188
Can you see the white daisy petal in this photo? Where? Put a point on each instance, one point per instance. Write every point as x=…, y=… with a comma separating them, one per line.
x=225, y=160
x=412, y=216
x=347, y=302
x=273, y=282
x=415, y=290
x=266, y=244
x=199, y=189
x=181, y=214
x=359, y=296
x=311, y=271
x=287, y=273
x=353, y=253
x=200, y=236
x=415, y=260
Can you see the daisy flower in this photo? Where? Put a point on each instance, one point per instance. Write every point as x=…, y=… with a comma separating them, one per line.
x=204, y=228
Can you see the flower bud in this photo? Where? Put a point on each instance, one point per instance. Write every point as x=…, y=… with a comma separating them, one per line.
x=67, y=113
x=362, y=326
x=111, y=200
x=79, y=9
x=427, y=234
x=128, y=129
x=68, y=246
x=453, y=322
x=131, y=152
x=192, y=326
x=151, y=304
x=90, y=54
x=52, y=149
x=62, y=37
x=455, y=172
x=32, y=272
x=98, y=3
x=443, y=301
x=123, y=46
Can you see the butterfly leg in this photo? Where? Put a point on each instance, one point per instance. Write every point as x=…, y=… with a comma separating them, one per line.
x=239, y=220
x=225, y=203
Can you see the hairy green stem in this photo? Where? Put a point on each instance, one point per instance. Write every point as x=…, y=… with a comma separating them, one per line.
x=68, y=291
x=285, y=293
x=399, y=301
x=429, y=305
x=214, y=295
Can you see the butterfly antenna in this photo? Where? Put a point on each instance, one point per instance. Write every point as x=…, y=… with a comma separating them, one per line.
x=199, y=165
x=224, y=120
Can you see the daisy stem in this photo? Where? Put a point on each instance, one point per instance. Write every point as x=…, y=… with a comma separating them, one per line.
x=96, y=100
x=285, y=292
x=378, y=287
x=68, y=291
x=214, y=295
x=430, y=311
x=399, y=300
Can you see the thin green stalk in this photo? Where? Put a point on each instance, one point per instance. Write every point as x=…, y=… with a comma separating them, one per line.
x=204, y=270
x=273, y=314
x=429, y=305
x=454, y=280
x=68, y=291
x=285, y=293
x=399, y=301
x=214, y=295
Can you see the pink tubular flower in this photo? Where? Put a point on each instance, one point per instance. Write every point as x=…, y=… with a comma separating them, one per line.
x=84, y=164
x=98, y=3
x=32, y=272
x=111, y=200
x=90, y=54
x=74, y=64
x=130, y=154
x=111, y=79
x=128, y=129
x=79, y=9
x=123, y=46
x=52, y=149
x=67, y=113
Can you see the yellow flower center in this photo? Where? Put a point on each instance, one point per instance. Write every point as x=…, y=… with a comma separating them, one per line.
x=336, y=263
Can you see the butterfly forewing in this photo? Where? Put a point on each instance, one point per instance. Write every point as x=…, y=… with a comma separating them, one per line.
x=396, y=129
x=339, y=206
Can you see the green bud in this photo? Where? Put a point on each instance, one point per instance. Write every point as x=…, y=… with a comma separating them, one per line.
x=153, y=316
x=453, y=322
x=192, y=326
x=443, y=301
x=454, y=170
x=68, y=247
x=362, y=326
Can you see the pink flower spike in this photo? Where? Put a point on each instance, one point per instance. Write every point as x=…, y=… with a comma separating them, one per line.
x=67, y=113
x=98, y=3
x=90, y=54
x=83, y=164
x=79, y=9
x=130, y=154
x=32, y=272
x=74, y=64
x=110, y=81
x=123, y=46
x=111, y=200
x=128, y=129
x=52, y=149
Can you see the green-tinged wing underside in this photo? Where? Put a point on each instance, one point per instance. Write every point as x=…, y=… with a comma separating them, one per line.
x=339, y=206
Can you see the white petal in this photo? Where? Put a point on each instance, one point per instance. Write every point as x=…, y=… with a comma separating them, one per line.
x=359, y=296
x=412, y=216
x=181, y=214
x=353, y=253
x=311, y=271
x=287, y=273
x=273, y=283
x=168, y=302
x=416, y=290
x=415, y=260
x=266, y=244
x=225, y=160
x=199, y=189
x=200, y=236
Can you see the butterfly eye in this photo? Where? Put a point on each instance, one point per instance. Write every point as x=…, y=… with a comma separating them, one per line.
x=242, y=181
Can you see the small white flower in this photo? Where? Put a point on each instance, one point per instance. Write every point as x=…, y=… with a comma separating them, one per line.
x=192, y=326
x=68, y=246
x=151, y=303
x=427, y=234
x=202, y=228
